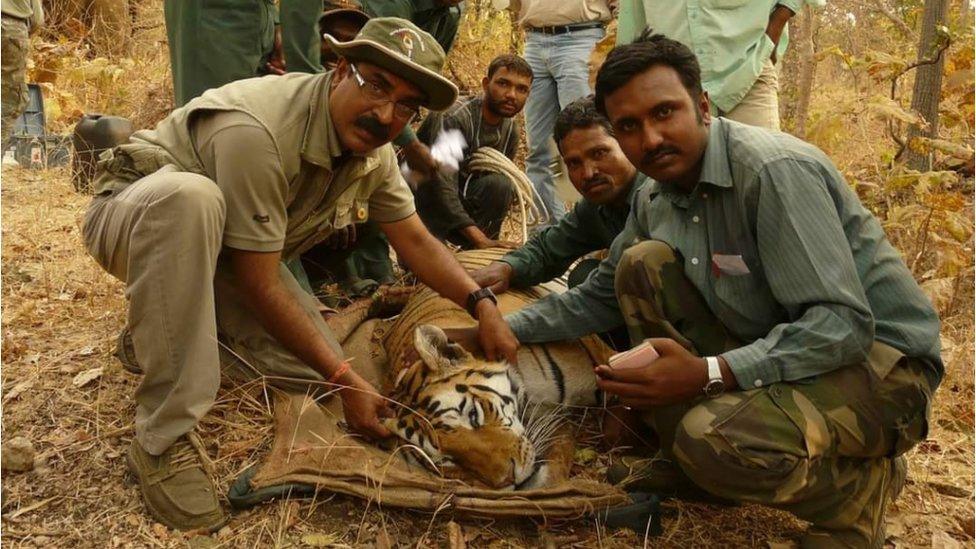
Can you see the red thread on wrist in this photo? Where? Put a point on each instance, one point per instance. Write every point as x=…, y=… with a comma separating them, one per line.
x=343, y=370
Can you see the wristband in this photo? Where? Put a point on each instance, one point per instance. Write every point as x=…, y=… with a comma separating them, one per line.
x=343, y=370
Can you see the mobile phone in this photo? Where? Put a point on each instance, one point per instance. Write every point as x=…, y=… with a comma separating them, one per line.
x=639, y=356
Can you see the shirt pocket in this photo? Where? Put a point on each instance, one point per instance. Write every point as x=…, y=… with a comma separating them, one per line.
x=726, y=4
x=352, y=210
x=743, y=298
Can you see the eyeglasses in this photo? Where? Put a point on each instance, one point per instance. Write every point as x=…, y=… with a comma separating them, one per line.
x=377, y=94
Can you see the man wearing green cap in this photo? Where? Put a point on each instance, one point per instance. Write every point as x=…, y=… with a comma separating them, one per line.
x=196, y=216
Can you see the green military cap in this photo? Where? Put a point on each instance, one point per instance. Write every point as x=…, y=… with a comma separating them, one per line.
x=399, y=46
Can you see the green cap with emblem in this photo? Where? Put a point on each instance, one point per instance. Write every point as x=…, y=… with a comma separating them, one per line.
x=400, y=47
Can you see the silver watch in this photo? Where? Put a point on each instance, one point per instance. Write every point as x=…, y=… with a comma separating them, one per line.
x=714, y=386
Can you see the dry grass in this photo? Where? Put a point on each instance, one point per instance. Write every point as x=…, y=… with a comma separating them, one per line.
x=61, y=314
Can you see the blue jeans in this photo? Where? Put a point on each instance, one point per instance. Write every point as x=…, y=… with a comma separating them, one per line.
x=560, y=65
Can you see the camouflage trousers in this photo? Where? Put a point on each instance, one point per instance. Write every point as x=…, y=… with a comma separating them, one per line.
x=820, y=448
x=13, y=68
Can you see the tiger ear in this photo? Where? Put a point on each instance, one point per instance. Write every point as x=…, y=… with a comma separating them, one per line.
x=436, y=351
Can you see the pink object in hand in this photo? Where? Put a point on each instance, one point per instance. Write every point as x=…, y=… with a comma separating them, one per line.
x=639, y=356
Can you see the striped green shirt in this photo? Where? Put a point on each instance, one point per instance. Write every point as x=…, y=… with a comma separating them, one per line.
x=782, y=251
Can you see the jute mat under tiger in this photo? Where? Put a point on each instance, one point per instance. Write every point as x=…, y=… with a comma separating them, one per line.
x=311, y=449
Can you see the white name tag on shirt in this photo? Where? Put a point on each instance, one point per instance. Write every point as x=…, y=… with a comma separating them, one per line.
x=731, y=265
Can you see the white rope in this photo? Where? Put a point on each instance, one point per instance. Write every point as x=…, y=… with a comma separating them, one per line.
x=487, y=159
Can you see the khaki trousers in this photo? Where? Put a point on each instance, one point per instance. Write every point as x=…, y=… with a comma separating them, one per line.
x=162, y=237
x=760, y=106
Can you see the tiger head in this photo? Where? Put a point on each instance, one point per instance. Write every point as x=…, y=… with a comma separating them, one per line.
x=466, y=418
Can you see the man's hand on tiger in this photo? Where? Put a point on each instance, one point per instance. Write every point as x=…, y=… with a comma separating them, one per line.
x=363, y=407
x=496, y=338
x=496, y=276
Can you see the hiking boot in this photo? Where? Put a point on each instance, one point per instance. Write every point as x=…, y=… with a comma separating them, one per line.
x=658, y=475
x=176, y=487
x=126, y=352
x=873, y=516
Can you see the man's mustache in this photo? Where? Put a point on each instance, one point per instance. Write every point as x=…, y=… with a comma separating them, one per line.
x=594, y=181
x=372, y=125
x=652, y=156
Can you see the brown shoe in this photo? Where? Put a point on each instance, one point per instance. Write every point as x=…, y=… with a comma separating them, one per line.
x=177, y=490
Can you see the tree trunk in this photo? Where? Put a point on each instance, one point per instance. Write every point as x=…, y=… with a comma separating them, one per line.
x=928, y=82
x=806, y=26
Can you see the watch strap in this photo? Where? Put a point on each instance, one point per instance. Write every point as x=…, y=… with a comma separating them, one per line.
x=714, y=370
x=474, y=297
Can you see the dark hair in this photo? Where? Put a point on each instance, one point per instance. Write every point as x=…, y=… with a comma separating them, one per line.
x=627, y=61
x=511, y=62
x=579, y=114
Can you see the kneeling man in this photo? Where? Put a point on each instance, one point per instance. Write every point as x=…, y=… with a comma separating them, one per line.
x=798, y=356
x=607, y=181
x=196, y=216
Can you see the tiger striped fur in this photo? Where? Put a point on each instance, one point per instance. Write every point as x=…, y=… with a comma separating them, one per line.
x=478, y=420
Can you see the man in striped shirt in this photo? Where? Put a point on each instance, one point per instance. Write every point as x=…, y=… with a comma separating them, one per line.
x=798, y=356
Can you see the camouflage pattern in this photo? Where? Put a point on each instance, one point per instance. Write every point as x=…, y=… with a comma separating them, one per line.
x=821, y=448
x=13, y=69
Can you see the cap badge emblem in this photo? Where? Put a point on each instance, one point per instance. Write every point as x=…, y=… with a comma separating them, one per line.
x=408, y=37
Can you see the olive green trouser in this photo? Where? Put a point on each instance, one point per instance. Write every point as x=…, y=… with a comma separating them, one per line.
x=440, y=22
x=215, y=42
x=300, y=37
x=162, y=237
x=13, y=71
x=819, y=448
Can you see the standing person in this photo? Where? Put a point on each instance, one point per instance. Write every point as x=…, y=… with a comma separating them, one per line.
x=301, y=41
x=343, y=21
x=738, y=68
x=213, y=43
x=19, y=18
x=559, y=38
x=798, y=356
x=440, y=18
x=196, y=216
x=467, y=208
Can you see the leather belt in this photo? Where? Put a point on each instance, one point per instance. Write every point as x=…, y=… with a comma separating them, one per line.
x=563, y=29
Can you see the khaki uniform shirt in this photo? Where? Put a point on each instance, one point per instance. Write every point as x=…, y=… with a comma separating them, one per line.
x=545, y=13
x=269, y=144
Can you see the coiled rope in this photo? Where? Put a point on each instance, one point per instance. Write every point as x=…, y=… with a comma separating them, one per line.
x=487, y=159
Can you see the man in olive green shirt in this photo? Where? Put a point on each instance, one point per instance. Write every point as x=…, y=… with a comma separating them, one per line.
x=213, y=43
x=798, y=357
x=196, y=216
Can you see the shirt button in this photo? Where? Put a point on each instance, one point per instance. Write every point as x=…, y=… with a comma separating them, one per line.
x=704, y=195
x=695, y=219
x=694, y=261
x=361, y=213
x=758, y=383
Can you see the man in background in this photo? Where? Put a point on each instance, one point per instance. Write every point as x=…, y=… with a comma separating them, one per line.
x=559, y=38
x=212, y=45
x=467, y=208
x=19, y=18
x=738, y=68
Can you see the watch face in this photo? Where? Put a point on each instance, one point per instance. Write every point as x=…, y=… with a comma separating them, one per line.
x=714, y=388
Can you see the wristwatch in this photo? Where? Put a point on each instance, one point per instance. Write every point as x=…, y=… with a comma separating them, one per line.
x=476, y=296
x=714, y=386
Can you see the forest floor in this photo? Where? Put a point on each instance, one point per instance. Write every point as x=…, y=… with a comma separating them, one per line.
x=64, y=391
